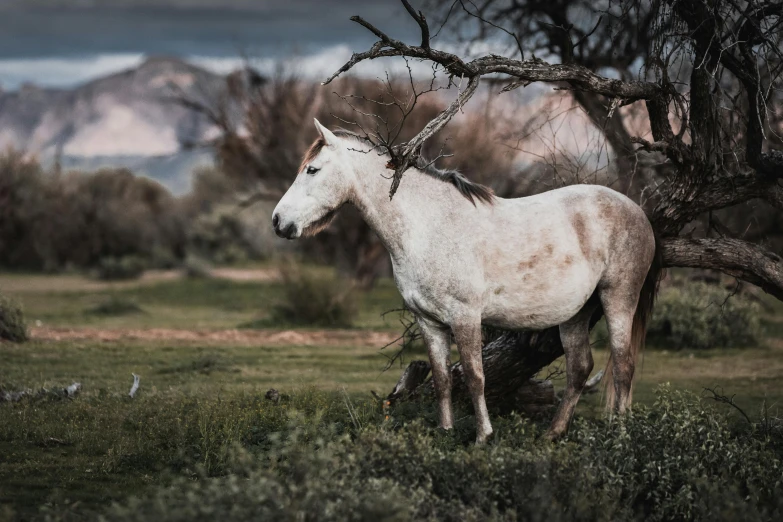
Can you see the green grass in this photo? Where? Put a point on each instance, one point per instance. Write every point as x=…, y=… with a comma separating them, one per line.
x=103, y=445
x=198, y=398
x=192, y=368
x=184, y=303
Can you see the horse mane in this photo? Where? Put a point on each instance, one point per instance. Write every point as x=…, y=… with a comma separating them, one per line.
x=470, y=190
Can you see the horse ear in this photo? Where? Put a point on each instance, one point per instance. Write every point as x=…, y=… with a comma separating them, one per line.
x=326, y=134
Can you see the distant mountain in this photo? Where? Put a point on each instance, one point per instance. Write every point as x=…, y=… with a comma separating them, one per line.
x=131, y=113
x=129, y=119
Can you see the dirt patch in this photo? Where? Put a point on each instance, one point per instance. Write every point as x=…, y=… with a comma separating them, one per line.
x=242, y=337
x=247, y=274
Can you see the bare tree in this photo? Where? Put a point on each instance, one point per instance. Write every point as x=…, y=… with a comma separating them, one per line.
x=264, y=125
x=601, y=36
x=708, y=88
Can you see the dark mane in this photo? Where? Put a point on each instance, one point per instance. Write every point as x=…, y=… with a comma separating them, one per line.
x=470, y=190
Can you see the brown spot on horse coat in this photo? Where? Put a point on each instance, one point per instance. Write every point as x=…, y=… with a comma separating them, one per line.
x=582, y=235
x=530, y=263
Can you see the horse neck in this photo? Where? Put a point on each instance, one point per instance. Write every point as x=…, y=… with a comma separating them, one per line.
x=400, y=220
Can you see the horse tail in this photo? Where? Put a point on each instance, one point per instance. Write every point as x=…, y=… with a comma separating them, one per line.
x=644, y=309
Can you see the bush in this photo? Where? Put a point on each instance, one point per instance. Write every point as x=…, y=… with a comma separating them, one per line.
x=220, y=236
x=676, y=460
x=315, y=300
x=196, y=267
x=701, y=316
x=121, y=268
x=51, y=221
x=115, y=306
x=12, y=324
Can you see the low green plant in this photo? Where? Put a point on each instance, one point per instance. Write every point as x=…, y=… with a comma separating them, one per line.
x=196, y=267
x=220, y=236
x=313, y=299
x=115, y=305
x=206, y=364
x=323, y=457
x=702, y=316
x=121, y=268
x=12, y=324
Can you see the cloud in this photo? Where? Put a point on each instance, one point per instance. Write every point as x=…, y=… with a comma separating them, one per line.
x=68, y=72
x=316, y=66
x=63, y=72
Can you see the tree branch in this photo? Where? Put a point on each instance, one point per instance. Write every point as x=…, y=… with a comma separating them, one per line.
x=734, y=257
x=422, y=21
x=533, y=70
x=410, y=153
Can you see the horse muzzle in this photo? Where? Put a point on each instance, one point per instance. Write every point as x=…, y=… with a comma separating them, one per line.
x=287, y=232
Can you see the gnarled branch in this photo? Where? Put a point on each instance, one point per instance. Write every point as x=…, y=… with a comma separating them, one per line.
x=734, y=257
x=533, y=70
x=411, y=150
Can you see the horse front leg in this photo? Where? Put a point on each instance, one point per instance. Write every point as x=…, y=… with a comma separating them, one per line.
x=438, y=341
x=468, y=337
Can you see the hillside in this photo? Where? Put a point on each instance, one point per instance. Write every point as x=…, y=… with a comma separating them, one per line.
x=129, y=118
x=130, y=113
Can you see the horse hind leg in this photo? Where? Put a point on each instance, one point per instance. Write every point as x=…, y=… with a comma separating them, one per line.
x=619, y=308
x=575, y=336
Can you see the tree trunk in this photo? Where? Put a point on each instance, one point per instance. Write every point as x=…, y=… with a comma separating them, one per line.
x=511, y=361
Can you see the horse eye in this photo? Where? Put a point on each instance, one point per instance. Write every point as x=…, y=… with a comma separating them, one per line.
x=312, y=170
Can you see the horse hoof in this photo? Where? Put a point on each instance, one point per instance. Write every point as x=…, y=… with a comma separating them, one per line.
x=483, y=439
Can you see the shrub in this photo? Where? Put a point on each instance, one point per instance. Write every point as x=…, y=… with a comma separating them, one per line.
x=675, y=460
x=220, y=236
x=120, y=268
x=702, y=316
x=316, y=300
x=115, y=306
x=12, y=324
x=52, y=221
x=196, y=267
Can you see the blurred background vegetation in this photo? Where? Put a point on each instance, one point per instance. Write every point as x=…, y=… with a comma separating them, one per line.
x=106, y=272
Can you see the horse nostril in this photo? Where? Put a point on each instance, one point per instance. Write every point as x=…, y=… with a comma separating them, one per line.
x=275, y=221
x=289, y=231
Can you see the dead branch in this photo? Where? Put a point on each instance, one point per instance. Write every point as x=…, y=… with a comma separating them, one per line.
x=69, y=392
x=734, y=257
x=725, y=399
x=135, y=386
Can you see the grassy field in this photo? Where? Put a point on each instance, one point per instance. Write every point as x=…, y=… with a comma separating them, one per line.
x=203, y=377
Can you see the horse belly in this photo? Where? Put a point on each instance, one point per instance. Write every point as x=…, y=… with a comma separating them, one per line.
x=537, y=300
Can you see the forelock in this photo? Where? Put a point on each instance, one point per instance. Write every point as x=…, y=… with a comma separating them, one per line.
x=320, y=143
x=312, y=152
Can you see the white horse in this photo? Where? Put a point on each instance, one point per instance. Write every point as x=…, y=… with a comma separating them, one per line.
x=463, y=257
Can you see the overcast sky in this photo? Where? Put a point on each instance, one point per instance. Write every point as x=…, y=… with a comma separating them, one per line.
x=61, y=43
